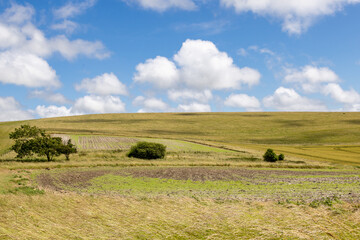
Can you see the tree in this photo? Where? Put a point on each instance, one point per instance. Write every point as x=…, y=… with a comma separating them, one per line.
x=270, y=156
x=30, y=140
x=47, y=146
x=25, y=139
x=281, y=157
x=68, y=149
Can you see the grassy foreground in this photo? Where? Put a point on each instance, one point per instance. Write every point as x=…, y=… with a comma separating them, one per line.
x=220, y=189
x=54, y=216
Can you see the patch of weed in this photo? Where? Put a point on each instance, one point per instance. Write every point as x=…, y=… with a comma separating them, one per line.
x=27, y=191
x=327, y=201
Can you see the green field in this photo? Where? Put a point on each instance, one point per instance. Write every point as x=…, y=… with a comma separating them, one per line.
x=212, y=184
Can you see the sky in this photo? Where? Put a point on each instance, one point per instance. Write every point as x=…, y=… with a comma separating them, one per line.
x=74, y=57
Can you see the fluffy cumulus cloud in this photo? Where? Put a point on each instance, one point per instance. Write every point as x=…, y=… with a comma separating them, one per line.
x=23, y=49
x=203, y=66
x=194, y=107
x=105, y=84
x=297, y=16
x=196, y=70
x=311, y=78
x=159, y=71
x=350, y=97
x=285, y=99
x=197, y=65
x=250, y=103
x=163, y=5
x=52, y=111
x=90, y=104
x=150, y=104
x=11, y=110
x=98, y=104
x=26, y=69
x=186, y=95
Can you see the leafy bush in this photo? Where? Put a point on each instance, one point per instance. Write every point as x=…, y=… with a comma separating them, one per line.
x=270, y=156
x=147, y=150
x=281, y=157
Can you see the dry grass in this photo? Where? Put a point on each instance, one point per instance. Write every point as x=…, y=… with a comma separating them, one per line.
x=54, y=216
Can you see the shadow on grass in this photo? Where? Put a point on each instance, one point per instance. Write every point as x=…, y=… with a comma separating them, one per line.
x=26, y=160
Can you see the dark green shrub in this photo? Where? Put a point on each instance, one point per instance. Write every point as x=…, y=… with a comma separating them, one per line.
x=147, y=150
x=270, y=156
x=281, y=157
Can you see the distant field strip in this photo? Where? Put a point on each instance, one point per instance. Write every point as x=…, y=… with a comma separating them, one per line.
x=124, y=143
x=344, y=154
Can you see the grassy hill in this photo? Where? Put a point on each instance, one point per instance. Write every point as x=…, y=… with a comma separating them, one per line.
x=330, y=137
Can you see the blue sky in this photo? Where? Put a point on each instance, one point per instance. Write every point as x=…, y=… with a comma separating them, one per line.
x=62, y=58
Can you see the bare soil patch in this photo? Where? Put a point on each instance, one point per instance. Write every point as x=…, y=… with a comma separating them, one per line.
x=81, y=178
x=77, y=179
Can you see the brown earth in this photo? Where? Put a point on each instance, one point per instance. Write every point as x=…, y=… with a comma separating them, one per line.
x=81, y=178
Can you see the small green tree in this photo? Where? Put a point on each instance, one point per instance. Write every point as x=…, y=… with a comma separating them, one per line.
x=25, y=139
x=68, y=149
x=270, y=156
x=147, y=150
x=281, y=157
x=30, y=140
x=48, y=146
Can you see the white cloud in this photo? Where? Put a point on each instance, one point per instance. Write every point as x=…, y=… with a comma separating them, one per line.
x=285, y=99
x=150, y=104
x=163, y=5
x=26, y=69
x=50, y=96
x=72, y=49
x=311, y=78
x=10, y=36
x=105, y=84
x=200, y=66
x=188, y=94
x=159, y=71
x=243, y=101
x=24, y=47
x=98, y=104
x=297, y=16
x=18, y=14
x=52, y=111
x=66, y=25
x=73, y=9
x=203, y=66
x=90, y=104
x=337, y=93
x=10, y=110
x=28, y=38
x=194, y=107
